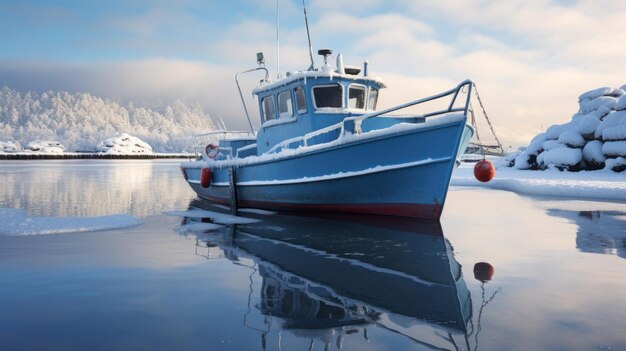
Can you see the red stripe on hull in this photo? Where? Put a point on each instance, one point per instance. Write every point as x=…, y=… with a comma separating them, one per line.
x=423, y=211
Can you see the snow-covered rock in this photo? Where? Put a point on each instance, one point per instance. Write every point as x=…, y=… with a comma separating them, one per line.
x=588, y=124
x=616, y=164
x=46, y=146
x=593, y=156
x=614, y=148
x=8, y=147
x=562, y=157
x=594, y=138
x=595, y=93
x=612, y=120
x=571, y=139
x=551, y=144
x=124, y=144
x=522, y=161
x=554, y=131
x=621, y=103
x=602, y=101
x=535, y=146
x=617, y=132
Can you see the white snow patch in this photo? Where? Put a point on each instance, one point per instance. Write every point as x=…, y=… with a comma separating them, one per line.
x=603, y=101
x=614, y=148
x=612, y=120
x=7, y=146
x=592, y=152
x=124, y=144
x=615, y=162
x=551, y=144
x=45, y=146
x=554, y=131
x=602, y=184
x=220, y=218
x=535, y=145
x=588, y=124
x=615, y=133
x=521, y=161
x=562, y=157
x=18, y=222
x=571, y=139
x=621, y=103
x=595, y=93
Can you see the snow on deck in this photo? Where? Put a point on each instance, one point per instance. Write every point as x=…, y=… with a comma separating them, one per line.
x=17, y=222
x=601, y=185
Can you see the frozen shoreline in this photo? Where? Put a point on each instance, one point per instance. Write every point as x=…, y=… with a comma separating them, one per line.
x=596, y=185
x=88, y=155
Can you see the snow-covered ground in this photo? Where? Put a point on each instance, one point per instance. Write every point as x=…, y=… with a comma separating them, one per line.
x=599, y=185
x=124, y=144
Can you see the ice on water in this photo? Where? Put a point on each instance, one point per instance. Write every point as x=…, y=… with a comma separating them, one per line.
x=18, y=222
x=216, y=217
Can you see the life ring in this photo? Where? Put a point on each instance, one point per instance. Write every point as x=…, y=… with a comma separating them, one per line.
x=212, y=150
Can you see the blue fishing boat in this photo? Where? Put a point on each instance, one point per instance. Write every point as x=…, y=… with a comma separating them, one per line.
x=323, y=145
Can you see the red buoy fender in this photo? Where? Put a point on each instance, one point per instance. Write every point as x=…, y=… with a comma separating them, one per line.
x=212, y=150
x=484, y=171
x=483, y=272
x=206, y=175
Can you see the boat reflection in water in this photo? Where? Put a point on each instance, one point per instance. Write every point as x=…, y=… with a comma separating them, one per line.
x=330, y=279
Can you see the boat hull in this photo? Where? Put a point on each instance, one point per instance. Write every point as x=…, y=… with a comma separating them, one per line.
x=406, y=173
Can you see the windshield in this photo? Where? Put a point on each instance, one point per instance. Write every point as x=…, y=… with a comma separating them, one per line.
x=328, y=96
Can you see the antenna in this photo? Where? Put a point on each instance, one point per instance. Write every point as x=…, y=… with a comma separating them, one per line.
x=308, y=35
x=277, y=41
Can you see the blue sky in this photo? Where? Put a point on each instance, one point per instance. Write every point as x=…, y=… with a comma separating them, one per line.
x=530, y=59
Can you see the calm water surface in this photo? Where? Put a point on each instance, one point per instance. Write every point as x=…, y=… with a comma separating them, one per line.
x=302, y=282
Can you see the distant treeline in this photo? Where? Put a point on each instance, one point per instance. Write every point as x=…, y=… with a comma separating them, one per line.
x=80, y=121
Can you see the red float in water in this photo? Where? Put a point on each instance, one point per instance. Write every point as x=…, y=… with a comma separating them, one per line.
x=205, y=177
x=483, y=271
x=484, y=171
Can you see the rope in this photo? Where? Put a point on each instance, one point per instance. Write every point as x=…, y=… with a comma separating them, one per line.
x=480, y=102
x=471, y=111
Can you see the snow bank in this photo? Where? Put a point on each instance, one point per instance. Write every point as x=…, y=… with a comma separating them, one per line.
x=594, y=138
x=46, y=146
x=18, y=222
x=601, y=185
x=124, y=144
x=7, y=146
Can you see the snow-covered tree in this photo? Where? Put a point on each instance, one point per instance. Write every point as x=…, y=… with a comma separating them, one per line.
x=80, y=121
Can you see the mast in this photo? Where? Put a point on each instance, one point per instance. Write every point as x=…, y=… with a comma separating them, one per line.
x=277, y=41
x=308, y=35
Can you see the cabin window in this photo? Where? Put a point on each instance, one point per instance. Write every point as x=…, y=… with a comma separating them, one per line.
x=328, y=96
x=373, y=99
x=268, y=108
x=300, y=100
x=285, y=109
x=356, y=97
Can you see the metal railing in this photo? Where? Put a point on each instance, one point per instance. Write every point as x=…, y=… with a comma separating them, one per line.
x=214, y=137
x=352, y=125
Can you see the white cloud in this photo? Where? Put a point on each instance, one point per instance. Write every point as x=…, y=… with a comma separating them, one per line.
x=530, y=60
